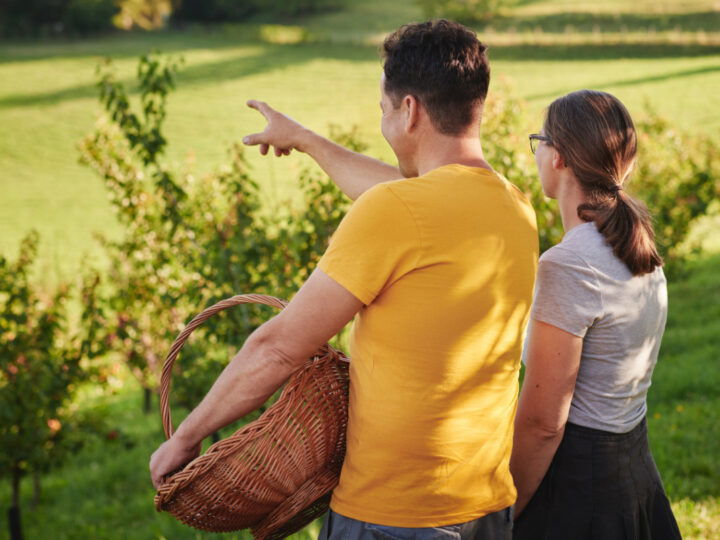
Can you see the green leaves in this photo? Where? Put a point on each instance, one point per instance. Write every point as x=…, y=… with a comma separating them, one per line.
x=677, y=177
x=156, y=76
x=504, y=136
x=190, y=242
x=42, y=362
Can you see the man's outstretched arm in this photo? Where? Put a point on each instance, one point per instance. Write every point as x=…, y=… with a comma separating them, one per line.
x=354, y=173
x=269, y=356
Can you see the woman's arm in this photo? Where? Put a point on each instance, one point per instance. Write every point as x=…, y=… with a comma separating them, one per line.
x=553, y=360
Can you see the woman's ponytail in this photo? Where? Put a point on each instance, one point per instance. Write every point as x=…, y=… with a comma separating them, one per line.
x=595, y=135
x=627, y=228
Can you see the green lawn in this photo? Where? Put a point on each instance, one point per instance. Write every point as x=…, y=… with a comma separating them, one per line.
x=325, y=69
x=684, y=401
x=48, y=101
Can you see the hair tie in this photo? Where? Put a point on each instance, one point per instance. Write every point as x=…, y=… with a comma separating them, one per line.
x=615, y=188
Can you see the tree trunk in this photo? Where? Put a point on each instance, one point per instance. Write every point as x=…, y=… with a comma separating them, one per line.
x=14, y=511
x=37, y=489
x=147, y=403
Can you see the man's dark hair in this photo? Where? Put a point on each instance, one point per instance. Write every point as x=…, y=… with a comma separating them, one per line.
x=444, y=65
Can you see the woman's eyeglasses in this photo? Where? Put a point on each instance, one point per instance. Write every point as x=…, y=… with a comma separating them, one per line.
x=534, y=138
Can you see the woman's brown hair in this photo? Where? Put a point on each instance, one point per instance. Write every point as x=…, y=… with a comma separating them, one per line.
x=595, y=136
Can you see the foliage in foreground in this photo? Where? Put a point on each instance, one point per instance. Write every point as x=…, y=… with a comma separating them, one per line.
x=678, y=177
x=42, y=362
x=191, y=242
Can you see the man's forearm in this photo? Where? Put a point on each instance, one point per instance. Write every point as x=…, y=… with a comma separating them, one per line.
x=252, y=376
x=269, y=356
x=354, y=173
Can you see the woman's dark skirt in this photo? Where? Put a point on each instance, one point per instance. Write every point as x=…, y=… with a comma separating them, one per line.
x=600, y=486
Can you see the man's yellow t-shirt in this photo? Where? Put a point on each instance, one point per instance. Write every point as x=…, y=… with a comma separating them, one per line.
x=445, y=265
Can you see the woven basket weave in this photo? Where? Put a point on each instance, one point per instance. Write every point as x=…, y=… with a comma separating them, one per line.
x=275, y=474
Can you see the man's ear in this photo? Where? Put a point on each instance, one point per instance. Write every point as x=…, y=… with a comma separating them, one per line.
x=411, y=111
x=557, y=160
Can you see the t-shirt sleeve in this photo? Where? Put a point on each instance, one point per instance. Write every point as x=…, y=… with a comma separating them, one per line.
x=567, y=294
x=376, y=244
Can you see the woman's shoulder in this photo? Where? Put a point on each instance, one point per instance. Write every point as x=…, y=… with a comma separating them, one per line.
x=582, y=246
x=572, y=251
x=584, y=250
x=562, y=265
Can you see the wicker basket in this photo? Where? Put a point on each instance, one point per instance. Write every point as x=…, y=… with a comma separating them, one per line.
x=275, y=474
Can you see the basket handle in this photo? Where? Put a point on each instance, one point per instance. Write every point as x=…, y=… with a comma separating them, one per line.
x=166, y=377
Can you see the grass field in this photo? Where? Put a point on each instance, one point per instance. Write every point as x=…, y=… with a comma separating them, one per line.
x=325, y=69
x=48, y=100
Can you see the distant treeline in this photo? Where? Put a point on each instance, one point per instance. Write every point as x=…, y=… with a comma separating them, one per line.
x=36, y=18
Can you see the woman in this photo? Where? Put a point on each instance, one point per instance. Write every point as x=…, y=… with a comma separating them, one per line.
x=581, y=461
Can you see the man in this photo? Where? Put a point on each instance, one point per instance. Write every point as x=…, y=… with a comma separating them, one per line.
x=440, y=267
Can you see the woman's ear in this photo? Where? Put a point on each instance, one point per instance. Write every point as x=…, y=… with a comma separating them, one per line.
x=557, y=160
x=411, y=111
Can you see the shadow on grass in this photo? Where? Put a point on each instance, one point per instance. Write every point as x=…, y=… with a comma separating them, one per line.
x=707, y=21
x=121, y=44
x=599, y=51
x=641, y=80
x=267, y=58
x=272, y=57
x=118, y=44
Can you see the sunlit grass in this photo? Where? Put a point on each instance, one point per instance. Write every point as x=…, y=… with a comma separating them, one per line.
x=614, y=6
x=684, y=401
x=50, y=103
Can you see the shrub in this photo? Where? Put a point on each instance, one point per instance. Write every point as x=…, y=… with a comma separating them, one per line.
x=89, y=16
x=215, y=10
x=145, y=14
x=677, y=177
x=232, y=10
x=191, y=242
x=41, y=365
x=504, y=135
x=43, y=17
x=55, y=17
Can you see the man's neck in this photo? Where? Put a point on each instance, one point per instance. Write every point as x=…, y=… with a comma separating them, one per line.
x=440, y=150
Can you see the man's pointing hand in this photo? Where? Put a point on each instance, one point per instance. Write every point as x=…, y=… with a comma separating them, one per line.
x=282, y=132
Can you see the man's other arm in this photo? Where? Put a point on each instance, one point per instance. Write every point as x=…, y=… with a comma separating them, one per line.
x=354, y=173
x=269, y=356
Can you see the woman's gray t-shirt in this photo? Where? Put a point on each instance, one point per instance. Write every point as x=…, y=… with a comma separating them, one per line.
x=584, y=289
